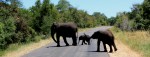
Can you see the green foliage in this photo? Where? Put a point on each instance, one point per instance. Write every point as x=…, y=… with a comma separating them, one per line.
x=13, y=24
x=101, y=18
x=137, y=19
x=7, y=30
x=63, y=5
x=111, y=21
x=2, y=37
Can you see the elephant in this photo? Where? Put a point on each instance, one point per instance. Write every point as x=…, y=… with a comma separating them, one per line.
x=106, y=37
x=65, y=30
x=84, y=38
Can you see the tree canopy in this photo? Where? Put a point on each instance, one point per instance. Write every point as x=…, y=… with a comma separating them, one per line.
x=137, y=19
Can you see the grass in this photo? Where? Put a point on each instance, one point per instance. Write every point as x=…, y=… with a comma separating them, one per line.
x=12, y=47
x=137, y=40
x=17, y=50
x=16, y=46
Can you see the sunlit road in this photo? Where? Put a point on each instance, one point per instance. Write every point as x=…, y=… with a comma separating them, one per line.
x=51, y=50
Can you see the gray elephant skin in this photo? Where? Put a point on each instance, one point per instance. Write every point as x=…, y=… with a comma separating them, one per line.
x=65, y=30
x=106, y=37
x=85, y=38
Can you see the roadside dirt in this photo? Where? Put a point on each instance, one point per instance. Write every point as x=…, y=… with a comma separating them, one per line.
x=123, y=51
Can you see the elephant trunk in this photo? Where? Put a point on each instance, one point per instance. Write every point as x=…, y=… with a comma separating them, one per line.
x=52, y=34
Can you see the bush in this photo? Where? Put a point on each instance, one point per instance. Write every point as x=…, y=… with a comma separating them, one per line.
x=7, y=30
x=18, y=37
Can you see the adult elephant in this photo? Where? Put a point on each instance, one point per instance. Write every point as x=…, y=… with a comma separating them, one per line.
x=106, y=37
x=65, y=30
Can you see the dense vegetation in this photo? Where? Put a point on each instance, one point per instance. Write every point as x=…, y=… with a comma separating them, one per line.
x=137, y=19
x=20, y=25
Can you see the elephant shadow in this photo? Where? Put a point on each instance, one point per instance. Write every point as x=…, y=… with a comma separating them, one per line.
x=95, y=51
x=58, y=46
x=55, y=46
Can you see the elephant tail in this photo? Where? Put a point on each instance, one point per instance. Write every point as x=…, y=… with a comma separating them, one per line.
x=77, y=33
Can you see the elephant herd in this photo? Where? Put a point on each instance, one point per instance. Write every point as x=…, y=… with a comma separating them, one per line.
x=70, y=30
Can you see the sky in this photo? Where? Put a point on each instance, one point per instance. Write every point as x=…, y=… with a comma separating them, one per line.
x=108, y=7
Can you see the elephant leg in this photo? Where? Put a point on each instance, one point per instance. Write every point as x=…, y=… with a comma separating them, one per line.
x=114, y=46
x=65, y=40
x=58, y=44
x=110, y=48
x=74, y=40
x=84, y=42
x=98, y=45
x=104, y=44
x=88, y=42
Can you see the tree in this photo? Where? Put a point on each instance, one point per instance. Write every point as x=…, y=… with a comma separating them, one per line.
x=140, y=15
x=100, y=18
x=111, y=20
x=146, y=13
x=123, y=22
x=63, y=5
x=35, y=21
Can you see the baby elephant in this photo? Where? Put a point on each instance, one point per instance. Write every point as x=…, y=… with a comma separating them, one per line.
x=106, y=37
x=85, y=38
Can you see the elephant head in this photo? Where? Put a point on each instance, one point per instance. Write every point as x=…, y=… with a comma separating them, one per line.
x=95, y=35
x=53, y=30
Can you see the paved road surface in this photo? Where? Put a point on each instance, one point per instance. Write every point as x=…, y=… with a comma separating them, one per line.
x=51, y=50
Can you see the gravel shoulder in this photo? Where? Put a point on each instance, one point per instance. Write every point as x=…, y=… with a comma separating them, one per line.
x=123, y=51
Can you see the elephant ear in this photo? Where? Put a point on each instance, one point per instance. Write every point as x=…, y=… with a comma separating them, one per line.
x=55, y=25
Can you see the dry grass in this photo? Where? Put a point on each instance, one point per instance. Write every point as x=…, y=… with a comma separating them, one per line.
x=24, y=49
x=129, y=42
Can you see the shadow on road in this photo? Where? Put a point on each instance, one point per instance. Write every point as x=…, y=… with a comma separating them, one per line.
x=95, y=51
x=55, y=46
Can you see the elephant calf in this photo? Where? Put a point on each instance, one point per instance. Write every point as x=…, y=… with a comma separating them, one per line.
x=85, y=38
x=106, y=37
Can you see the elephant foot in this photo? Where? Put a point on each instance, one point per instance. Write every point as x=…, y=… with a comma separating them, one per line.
x=74, y=44
x=58, y=45
x=67, y=44
x=105, y=50
x=110, y=51
x=98, y=51
x=115, y=49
